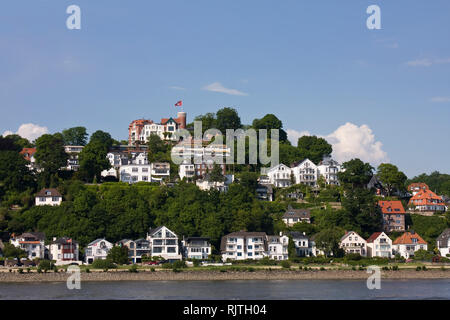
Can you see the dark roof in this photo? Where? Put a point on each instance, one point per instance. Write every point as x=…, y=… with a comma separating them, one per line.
x=443, y=238
x=53, y=193
x=297, y=213
x=188, y=239
x=64, y=240
x=297, y=235
x=153, y=231
x=38, y=235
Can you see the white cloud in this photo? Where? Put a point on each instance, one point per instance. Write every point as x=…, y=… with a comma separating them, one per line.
x=350, y=141
x=218, y=87
x=427, y=62
x=440, y=99
x=294, y=135
x=29, y=131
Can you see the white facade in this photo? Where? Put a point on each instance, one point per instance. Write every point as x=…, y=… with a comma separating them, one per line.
x=132, y=173
x=279, y=176
x=164, y=243
x=407, y=244
x=186, y=170
x=443, y=243
x=278, y=247
x=97, y=249
x=352, y=242
x=160, y=171
x=306, y=172
x=244, y=245
x=72, y=161
x=329, y=169
x=379, y=245
x=32, y=243
x=196, y=248
x=48, y=197
x=63, y=251
x=302, y=244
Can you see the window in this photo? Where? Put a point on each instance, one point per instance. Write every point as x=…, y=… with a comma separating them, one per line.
x=250, y=247
x=250, y=254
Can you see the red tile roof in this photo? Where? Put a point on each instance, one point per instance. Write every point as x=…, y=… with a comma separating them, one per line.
x=426, y=197
x=420, y=185
x=374, y=236
x=391, y=207
x=28, y=153
x=407, y=237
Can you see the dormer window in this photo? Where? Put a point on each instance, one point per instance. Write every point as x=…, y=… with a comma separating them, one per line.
x=48, y=193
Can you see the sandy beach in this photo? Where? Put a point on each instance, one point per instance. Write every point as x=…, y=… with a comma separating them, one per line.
x=208, y=275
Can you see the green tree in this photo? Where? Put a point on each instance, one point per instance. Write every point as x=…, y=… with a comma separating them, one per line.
x=93, y=160
x=103, y=138
x=216, y=174
x=14, y=173
x=76, y=136
x=10, y=251
x=50, y=154
x=355, y=174
x=268, y=122
x=208, y=121
x=14, y=142
x=328, y=241
x=391, y=177
x=158, y=150
x=118, y=254
x=314, y=148
x=227, y=118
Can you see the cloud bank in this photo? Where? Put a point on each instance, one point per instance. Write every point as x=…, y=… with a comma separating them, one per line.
x=218, y=87
x=350, y=141
x=29, y=131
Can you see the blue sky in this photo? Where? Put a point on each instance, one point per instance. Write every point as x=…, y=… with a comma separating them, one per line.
x=383, y=95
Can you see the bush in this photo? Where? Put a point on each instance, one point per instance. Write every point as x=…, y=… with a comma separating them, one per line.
x=28, y=270
x=322, y=269
x=418, y=268
x=251, y=269
x=424, y=268
x=88, y=270
x=196, y=262
x=395, y=268
x=285, y=264
x=353, y=257
x=103, y=264
x=20, y=270
x=45, y=265
x=152, y=269
x=133, y=269
x=300, y=268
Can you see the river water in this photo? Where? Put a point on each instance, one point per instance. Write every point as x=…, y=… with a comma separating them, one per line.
x=250, y=289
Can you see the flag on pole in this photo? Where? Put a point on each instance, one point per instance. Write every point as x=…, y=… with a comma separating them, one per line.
x=179, y=104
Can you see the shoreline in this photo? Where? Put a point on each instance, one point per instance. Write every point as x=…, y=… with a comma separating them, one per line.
x=186, y=275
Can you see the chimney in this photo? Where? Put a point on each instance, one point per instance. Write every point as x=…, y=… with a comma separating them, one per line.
x=182, y=119
x=54, y=238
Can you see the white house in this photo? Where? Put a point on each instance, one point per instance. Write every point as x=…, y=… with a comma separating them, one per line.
x=408, y=243
x=244, y=245
x=279, y=175
x=352, y=242
x=64, y=251
x=97, y=249
x=116, y=159
x=164, y=243
x=293, y=216
x=302, y=244
x=48, y=197
x=379, y=245
x=329, y=169
x=186, y=170
x=305, y=172
x=278, y=247
x=32, y=243
x=196, y=248
x=160, y=171
x=73, y=153
x=443, y=243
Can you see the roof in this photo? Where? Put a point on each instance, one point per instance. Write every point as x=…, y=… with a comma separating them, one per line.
x=33, y=235
x=420, y=185
x=53, y=193
x=373, y=237
x=97, y=241
x=188, y=239
x=391, y=207
x=28, y=153
x=240, y=234
x=442, y=239
x=297, y=213
x=297, y=235
x=153, y=231
x=424, y=197
x=347, y=233
x=407, y=237
x=64, y=240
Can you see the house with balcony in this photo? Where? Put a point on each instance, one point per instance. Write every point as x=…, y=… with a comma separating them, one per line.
x=48, y=197
x=279, y=175
x=379, y=245
x=136, y=249
x=97, y=249
x=408, y=243
x=244, y=245
x=33, y=243
x=160, y=171
x=302, y=243
x=73, y=153
x=393, y=215
x=415, y=187
x=352, y=242
x=164, y=243
x=443, y=243
x=293, y=216
x=427, y=200
x=64, y=251
x=329, y=169
x=278, y=247
x=196, y=248
x=305, y=172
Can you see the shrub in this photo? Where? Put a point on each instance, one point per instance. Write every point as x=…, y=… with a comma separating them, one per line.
x=424, y=268
x=133, y=269
x=45, y=265
x=176, y=270
x=88, y=270
x=300, y=268
x=196, y=262
x=28, y=270
x=103, y=264
x=20, y=270
x=395, y=268
x=179, y=264
x=353, y=268
x=322, y=268
x=285, y=264
x=250, y=269
x=152, y=269
x=418, y=268
x=361, y=268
